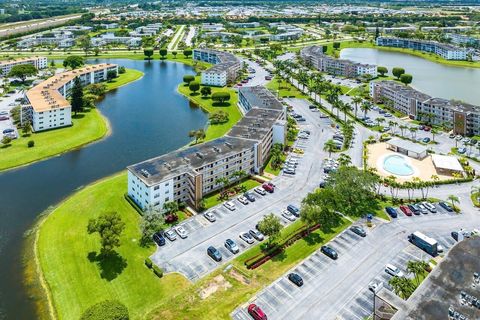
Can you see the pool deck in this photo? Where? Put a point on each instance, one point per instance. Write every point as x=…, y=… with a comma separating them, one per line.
x=423, y=169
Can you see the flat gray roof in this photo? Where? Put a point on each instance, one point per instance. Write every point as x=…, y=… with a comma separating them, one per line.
x=188, y=159
x=405, y=90
x=260, y=97
x=407, y=145
x=442, y=288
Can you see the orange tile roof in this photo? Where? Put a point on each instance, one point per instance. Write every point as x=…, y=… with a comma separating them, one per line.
x=45, y=96
x=23, y=59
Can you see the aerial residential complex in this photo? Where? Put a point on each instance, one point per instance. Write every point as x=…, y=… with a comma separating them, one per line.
x=7, y=65
x=464, y=117
x=188, y=174
x=225, y=69
x=446, y=51
x=48, y=107
x=314, y=56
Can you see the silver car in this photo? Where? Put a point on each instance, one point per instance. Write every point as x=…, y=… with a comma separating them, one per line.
x=210, y=216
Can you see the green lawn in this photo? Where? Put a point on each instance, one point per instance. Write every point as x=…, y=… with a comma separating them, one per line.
x=212, y=199
x=75, y=282
x=269, y=169
x=87, y=127
x=285, y=89
x=216, y=130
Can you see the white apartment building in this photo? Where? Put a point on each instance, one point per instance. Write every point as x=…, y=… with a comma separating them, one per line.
x=225, y=69
x=37, y=62
x=48, y=107
x=446, y=51
x=187, y=175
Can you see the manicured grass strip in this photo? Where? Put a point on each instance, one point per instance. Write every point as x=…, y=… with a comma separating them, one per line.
x=87, y=127
x=285, y=89
x=234, y=114
x=76, y=282
x=212, y=200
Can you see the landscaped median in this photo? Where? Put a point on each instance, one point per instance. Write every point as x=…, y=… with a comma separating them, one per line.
x=87, y=127
x=206, y=103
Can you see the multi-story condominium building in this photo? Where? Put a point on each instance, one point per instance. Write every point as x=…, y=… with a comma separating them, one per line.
x=245, y=24
x=284, y=36
x=7, y=65
x=48, y=107
x=314, y=56
x=464, y=118
x=225, y=69
x=148, y=30
x=61, y=38
x=460, y=39
x=110, y=38
x=187, y=175
x=446, y=51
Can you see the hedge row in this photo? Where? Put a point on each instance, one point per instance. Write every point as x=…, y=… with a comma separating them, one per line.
x=133, y=204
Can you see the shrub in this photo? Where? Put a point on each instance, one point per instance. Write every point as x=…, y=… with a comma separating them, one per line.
x=106, y=310
x=188, y=78
x=148, y=263
x=221, y=97
x=31, y=144
x=121, y=70
x=158, y=272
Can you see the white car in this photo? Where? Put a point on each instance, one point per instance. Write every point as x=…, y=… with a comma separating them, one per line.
x=429, y=206
x=210, y=216
x=180, y=230
x=170, y=235
x=288, y=215
x=260, y=191
x=245, y=236
x=393, y=271
x=373, y=286
x=229, y=205
x=243, y=200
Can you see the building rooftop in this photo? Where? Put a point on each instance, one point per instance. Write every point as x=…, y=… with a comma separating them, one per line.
x=446, y=162
x=404, y=90
x=255, y=124
x=443, y=288
x=260, y=97
x=407, y=145
x=225, y=60
x=453, y=104
x=17, y=60
x=45, y=96
x=189, y=159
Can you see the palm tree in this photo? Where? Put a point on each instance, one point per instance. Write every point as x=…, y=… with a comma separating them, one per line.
x=356, y=100
x=366, y=106
x=393, y=125
x=329, y=147
x=453, y=199
x=380, y=120
x=433, y=132
x=417, y=268
x=435, y=178
x=344, y=160
x=413, y=131
x=402, y=128
x=344, y=107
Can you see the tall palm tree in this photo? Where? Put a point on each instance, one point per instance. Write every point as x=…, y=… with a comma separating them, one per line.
x=453, y=199
x=402, y=128
x=380, y=120
x=434, y=132
x=329, y=147
x=417, y=268
x=356, y=100
x=344, y=107
x=392, y=124
x=413, y=131
x=344, y=160
x=366, y=106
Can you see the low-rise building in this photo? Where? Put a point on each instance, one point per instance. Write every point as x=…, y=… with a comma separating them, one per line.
x=37, y=62
x=314, y=56
x=460, y=39
x=110, y=38
x=446, y=51
x=187, y=175
x=225, y=69
x=463, y=117
x=48, y=107
x=245, y=24
x=59, y=38
x=212, y=27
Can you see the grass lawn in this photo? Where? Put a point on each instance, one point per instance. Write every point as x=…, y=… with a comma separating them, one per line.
x=475, y=196
x=285, y=89
x=269, y=169
x=212, y=199
x=87, y=127
x=216, y=130
x=76, y=282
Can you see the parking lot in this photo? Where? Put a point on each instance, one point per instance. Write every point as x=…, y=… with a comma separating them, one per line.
x=338, y=289
x=6, y=104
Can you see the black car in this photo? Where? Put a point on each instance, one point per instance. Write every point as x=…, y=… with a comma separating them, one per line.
x=214, y=253
x=359, y=231
x=414, y=209
x=445, y=206
x=295, y=278
x=293, y=210
x=159, y=238
x=330, y=252
x=249, y=196
x=455, y=235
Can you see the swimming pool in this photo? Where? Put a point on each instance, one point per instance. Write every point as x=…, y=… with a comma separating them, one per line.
x=397, y=165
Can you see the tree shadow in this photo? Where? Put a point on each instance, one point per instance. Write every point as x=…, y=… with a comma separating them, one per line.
x=280, y=257
x=221, y=104
x=194, y=94
x=313, y=239
x=5, y=146
x=111, y=265
x=78, y=116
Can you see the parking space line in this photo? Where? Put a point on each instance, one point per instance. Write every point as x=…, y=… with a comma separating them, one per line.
x=353, y=314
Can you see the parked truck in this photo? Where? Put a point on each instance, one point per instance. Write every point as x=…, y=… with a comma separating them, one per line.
x=424, y=242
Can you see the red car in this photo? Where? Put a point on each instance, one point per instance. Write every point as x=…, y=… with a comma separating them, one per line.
x=427, y=128
x=406, y=210
x=268, y=187
x=256, y=312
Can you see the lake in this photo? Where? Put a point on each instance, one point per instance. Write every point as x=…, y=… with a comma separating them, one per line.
x=147, y=118
x=435, y=79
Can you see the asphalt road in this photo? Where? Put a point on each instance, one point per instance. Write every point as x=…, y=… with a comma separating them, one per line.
x=188, y=256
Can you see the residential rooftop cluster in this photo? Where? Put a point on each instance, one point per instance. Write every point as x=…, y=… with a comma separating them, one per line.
x=224, y=70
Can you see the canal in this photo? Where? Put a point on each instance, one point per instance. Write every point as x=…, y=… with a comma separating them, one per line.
x=435, y=79
x=147, y=118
